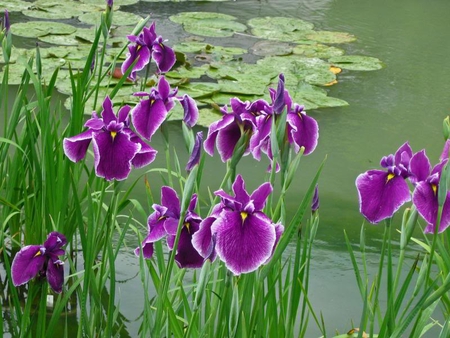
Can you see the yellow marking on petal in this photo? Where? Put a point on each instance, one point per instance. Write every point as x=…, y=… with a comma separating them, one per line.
x=188, y=226
x=161, y=218
x=113, y=134
x=38, y=253
x=390, y=177
x=243, y=216
x=434, y=187
x=335, y=70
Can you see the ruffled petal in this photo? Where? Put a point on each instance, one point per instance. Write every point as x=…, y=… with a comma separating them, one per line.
x=27, y=263
x=147, y=117
x=75, y=147
x=155, y=224
x=381, y=195
x=303, y=132
x=55, y=275
x=139, y=52
x=54, y=242
x=113, y=155
x=243, y=244
x=147, y=249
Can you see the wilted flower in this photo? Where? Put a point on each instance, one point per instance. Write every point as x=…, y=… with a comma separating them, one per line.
x=149, y=114
x=148, y=45
x=164, y=222
x=238, y=231
x=383, y=192
x=116, y=146
x=41, y=261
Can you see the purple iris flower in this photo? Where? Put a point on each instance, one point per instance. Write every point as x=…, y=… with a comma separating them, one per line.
x=149, y=114
x=425, y=195
x=225, y=133
x=302, y=130
x=148, y=45
x=383, y=192
x=194, y=159
x=315, y=201
x=41, y=261
x=238, y=231
x=164, y=222
x=116, y=146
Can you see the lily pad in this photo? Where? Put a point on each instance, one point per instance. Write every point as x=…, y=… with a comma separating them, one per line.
x=116, y=2
x=188, y=73
x=199, y=90
x=66, y=10
x=208, y=23
x=331, y=37
x=119, y=18
x=14, y=5
x=317, y=50
x=271, y=48
x=34, y=29
x=356, y=62
x=280, y=28
x=294, y=36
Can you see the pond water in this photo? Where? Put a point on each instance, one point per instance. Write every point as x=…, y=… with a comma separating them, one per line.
x=405, y=101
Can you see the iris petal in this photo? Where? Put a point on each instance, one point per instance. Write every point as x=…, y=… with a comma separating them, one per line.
x=113, y=155
x=381, y=195
x=75, y=147
x=303, y=132
x=55, y=275
x=243, y=245
x=147, y=116
x=26, y=264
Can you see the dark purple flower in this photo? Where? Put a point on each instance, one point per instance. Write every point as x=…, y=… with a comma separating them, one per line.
x=6, y=23
x=383, y=192
x=41, y=261
x=149, y=114
x=194, y=159
x=225, y=133
x=164, y=222
x=145, y=46
x=116, y=146
x=190, y=110
x=110, y=3
x=238, y=230
x=315, y=201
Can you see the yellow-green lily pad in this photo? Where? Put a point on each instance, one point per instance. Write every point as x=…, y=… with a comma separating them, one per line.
x=42, y=10
x=119, y=18
x=356, y=62
x=270, y=48
x=331, y=37
x=317, y=50
x=34, y=29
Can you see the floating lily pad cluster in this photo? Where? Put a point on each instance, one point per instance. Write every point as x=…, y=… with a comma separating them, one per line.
x=209, y=73
x=308, y=58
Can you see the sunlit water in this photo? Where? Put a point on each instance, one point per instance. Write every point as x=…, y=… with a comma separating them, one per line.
x=405, y=101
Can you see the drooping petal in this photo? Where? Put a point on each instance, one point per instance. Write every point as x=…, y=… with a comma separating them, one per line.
x=164, y=56
x=55, y=275
x=147, y=249
x=243, y=243
x=190, y=109
x=75, y=147
x=27, y=263
x=155, y=225
x=303, y=132
x=381, y=194
x=227, y=138
x=139, y=53
x=113, y=155
x=187, y=256
x=202, y=240
x=146, y=154
x=419, y=167
x=147, y=117
x=213, y=130
x=279, y=229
